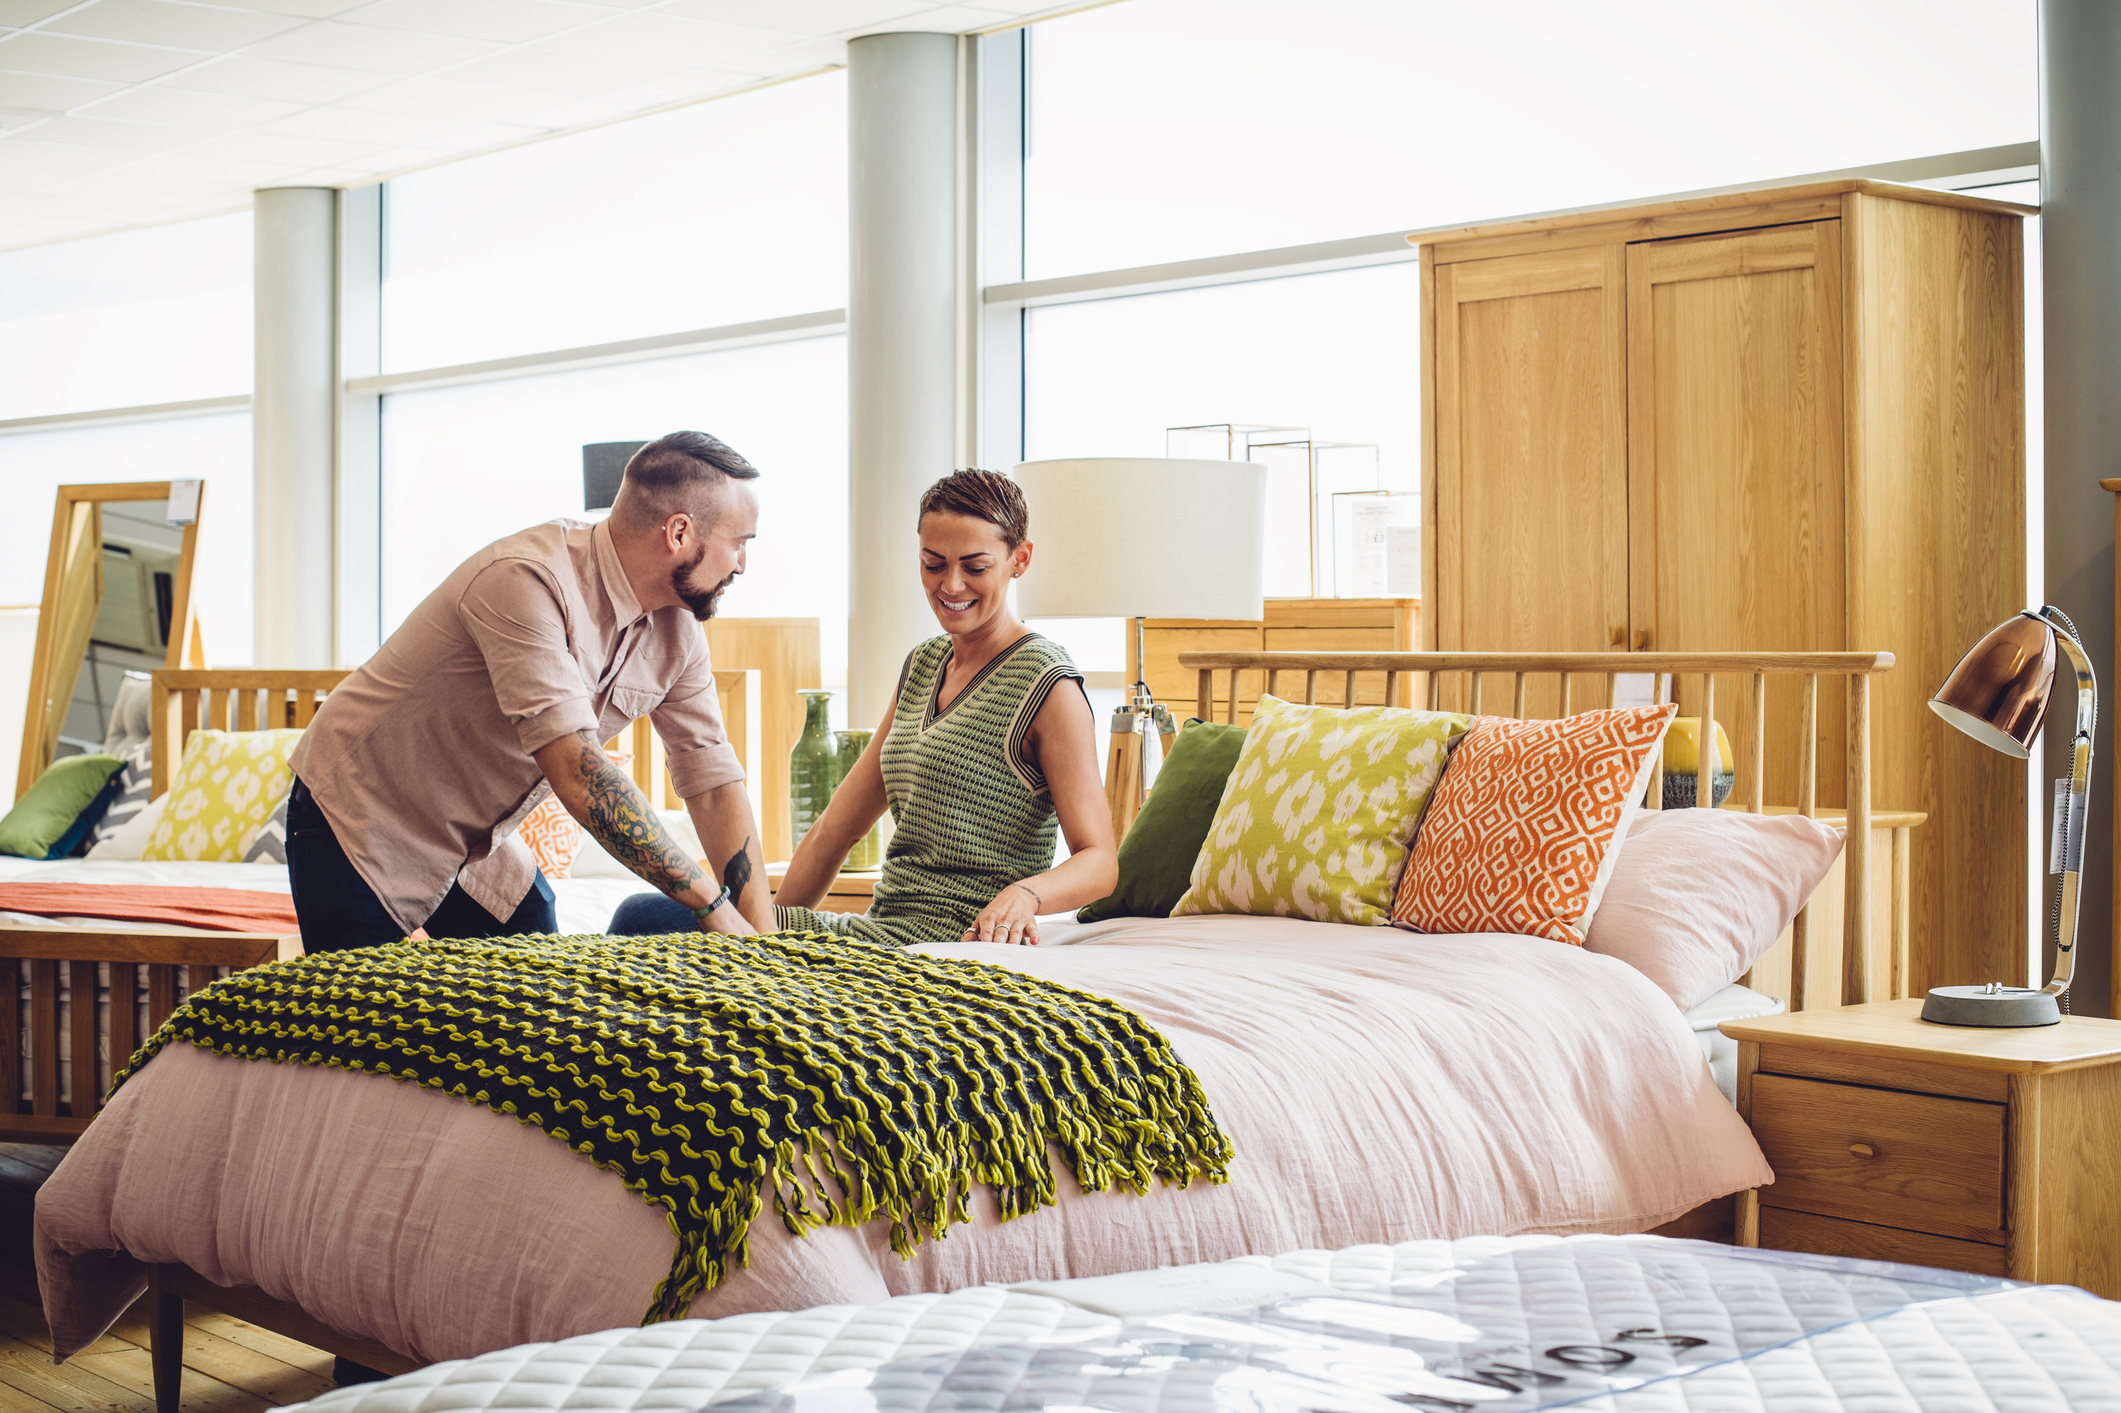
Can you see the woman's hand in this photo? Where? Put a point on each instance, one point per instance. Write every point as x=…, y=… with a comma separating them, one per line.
x=1011, y=918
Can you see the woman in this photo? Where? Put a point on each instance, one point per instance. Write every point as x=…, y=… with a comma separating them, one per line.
x=990, y=737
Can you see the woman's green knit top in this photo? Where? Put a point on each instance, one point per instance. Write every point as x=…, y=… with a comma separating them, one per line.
x=970, y=807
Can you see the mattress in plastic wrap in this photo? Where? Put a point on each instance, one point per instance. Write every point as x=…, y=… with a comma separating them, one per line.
x=1480, y=1325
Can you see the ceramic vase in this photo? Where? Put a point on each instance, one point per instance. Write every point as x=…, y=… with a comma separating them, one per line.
x=868, y=851
x=813, y=766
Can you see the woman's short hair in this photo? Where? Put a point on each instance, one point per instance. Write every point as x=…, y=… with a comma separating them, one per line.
x=983, y=495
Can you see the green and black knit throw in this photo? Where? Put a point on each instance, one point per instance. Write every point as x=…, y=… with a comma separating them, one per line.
x=848, y=1081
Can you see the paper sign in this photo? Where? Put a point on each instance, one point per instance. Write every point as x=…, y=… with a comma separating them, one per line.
x=184, y=502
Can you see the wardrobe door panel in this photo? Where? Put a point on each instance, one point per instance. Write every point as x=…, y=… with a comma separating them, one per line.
x=1531, y=461
x=1736, y=482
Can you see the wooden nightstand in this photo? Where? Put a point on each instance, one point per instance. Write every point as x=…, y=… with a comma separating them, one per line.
x=1993, y=1151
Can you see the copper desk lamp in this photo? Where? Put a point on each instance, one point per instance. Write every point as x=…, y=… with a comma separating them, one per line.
x=1998, y=694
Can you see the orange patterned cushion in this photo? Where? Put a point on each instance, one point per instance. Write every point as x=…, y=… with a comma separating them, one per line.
x=1523, y=829
x=553, y=836
x=551, y=832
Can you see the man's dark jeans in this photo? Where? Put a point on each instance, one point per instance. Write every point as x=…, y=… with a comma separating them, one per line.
x=338, y=909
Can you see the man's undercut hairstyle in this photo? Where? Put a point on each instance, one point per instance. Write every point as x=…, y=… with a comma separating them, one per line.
x=983, y=495
x=677, y=474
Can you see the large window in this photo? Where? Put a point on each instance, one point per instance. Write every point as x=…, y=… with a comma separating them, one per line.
x=464, y=466
x=722, y=213
x=146, y=316
x=1172, y=129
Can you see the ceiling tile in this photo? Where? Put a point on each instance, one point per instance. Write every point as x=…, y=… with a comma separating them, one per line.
x=354, y=125
x=158, y=22
x=54, y=94
x=272, y=79
x=34, y=52
x=1021, y=8
x=639, y=98
x=503, y=21
x=796, y=58
x=480, y=136
x=442, y=98
x=13, y=118
x=387, y=51
x=28, y=12
x=157, y=104
x=362, y=175
x=127, y=137
x=57, y=160
x=945, y=19
x=560, y=74
x=662, y=39
x=797, y=16
x=181, y=177
x=281, y=148
x=66, y=206
x=400, y=159
x=307, y=9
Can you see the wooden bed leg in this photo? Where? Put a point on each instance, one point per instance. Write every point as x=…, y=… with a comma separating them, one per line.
x=166, y=1343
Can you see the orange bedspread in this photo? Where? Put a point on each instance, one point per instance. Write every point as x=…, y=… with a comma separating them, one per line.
x=222, y=909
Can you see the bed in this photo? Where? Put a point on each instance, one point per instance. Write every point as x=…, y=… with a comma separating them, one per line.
x=57, y=956
x=1625, y=1325
x=1379, y=1086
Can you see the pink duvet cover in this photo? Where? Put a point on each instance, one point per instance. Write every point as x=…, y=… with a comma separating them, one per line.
x=1379, y=1086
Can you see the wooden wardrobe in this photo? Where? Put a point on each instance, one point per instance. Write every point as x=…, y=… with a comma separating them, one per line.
x=1782, y=420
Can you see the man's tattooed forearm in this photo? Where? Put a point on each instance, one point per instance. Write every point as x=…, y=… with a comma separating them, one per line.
x=624, y=824
x=737, y=877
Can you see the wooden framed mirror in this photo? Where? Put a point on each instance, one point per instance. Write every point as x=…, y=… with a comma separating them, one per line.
x=117, y=599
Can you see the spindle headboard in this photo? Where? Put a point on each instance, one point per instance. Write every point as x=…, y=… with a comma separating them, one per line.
x=1460, y=679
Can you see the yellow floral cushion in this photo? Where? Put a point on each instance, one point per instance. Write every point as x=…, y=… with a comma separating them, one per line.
x=226, y=788
x=1318, y=814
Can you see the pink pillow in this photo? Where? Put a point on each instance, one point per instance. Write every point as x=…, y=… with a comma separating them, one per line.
x=1697, y=895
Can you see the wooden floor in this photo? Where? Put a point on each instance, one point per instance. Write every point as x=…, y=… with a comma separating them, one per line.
x=229, y=1366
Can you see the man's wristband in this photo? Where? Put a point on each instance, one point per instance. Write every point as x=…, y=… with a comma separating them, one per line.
x=701, y=913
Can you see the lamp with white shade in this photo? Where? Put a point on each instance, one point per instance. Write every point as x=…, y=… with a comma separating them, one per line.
x=1142, y=537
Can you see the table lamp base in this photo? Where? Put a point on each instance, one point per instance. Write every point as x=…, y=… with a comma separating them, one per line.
x=1991, y=1006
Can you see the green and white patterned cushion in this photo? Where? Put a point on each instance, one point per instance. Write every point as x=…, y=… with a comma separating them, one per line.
x=1318, y=815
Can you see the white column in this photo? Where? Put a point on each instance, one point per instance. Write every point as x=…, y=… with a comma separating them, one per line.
x=292, y=404
x=2080, y=234
x=901, y=338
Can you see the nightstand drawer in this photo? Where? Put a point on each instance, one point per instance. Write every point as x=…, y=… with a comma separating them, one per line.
x=1782, y=1230
x=1915, y=1161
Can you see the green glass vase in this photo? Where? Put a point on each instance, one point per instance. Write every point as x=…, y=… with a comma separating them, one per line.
x=868, y=852
x=813, y=766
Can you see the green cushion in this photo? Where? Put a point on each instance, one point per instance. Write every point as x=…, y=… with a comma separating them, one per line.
x=1156, y=858
x=57, y=812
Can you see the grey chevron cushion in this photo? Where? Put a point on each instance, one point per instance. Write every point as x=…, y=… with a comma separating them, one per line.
x=132, y=795
x=270, y=845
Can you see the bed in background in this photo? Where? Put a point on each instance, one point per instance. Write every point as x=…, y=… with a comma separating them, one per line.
x=1379, y=1085
x=60, y=955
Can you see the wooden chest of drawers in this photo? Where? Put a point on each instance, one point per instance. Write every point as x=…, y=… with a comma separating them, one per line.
x=1992, y=1151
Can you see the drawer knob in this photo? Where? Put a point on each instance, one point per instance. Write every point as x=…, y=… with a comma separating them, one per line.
x=1863, y=1150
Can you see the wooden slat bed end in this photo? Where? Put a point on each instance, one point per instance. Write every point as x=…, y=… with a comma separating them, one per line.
x=1427, y=672
x=76, y=952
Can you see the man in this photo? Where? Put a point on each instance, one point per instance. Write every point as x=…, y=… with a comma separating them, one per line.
x=504, y=684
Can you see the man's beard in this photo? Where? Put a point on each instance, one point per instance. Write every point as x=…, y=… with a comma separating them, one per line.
x=700, y=602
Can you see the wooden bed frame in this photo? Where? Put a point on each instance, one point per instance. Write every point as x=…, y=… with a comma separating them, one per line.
x=1409, y=673
x=1459, y=682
